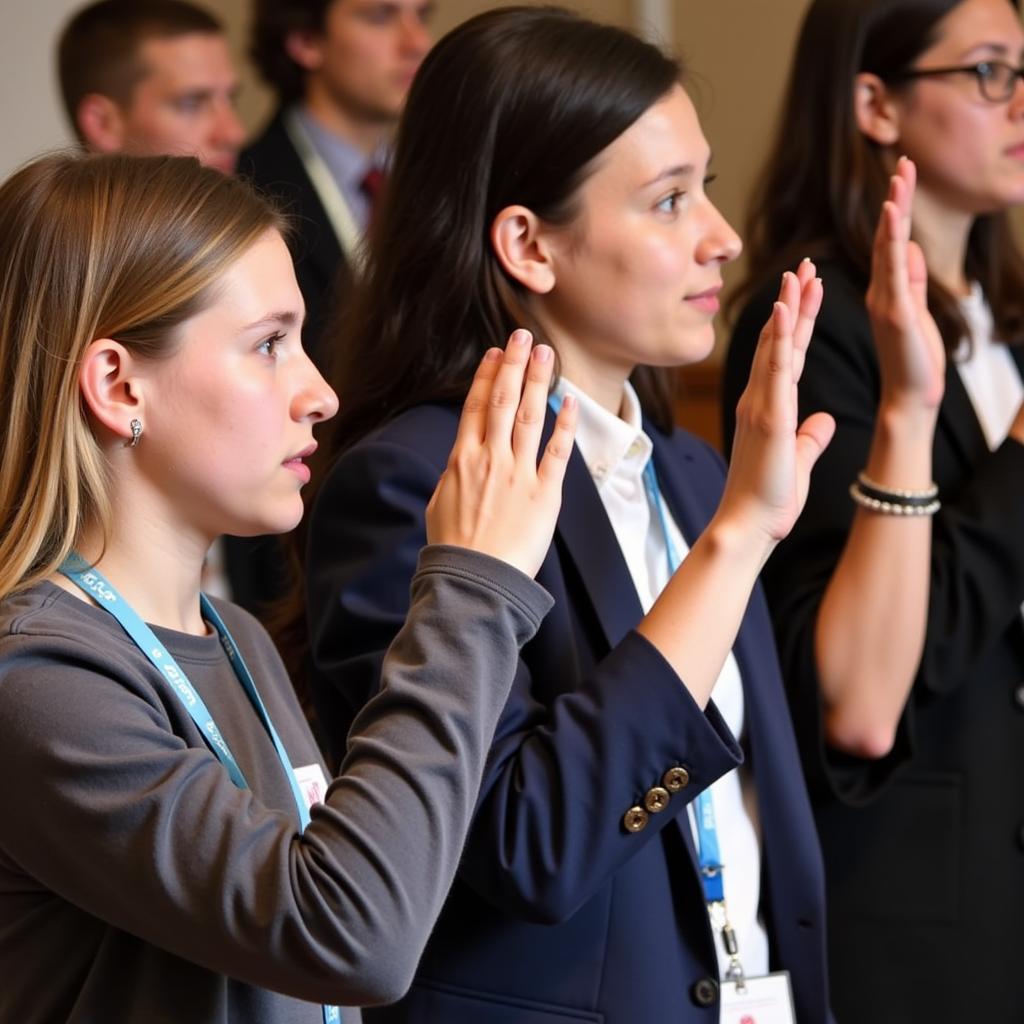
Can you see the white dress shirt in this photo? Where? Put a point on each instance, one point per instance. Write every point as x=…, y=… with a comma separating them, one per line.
x=988, y=371
x=616, y=450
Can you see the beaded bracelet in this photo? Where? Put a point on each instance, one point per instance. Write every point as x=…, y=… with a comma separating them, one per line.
x=895, y=503
x=876, y=490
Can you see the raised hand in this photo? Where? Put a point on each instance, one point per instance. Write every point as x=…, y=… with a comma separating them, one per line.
x=772, y=457
x=493, y=496
x=911, y=354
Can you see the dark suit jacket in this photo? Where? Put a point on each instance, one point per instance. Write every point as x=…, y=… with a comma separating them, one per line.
x=258, y=567
x=272, y=164
x=560, y=914
x=924, y=849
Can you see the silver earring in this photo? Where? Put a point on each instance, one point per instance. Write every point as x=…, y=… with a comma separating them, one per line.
x=136, y=428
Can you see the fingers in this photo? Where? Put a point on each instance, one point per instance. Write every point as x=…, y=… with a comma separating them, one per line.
x=507, y=389
x=811, y=295
x=529, y=420
x=889, y=264
x=772, y=354
x=551, y=470
x=780, y=362
x=473, y=421
x=917, y=275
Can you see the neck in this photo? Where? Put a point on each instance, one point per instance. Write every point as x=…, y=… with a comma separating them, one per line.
x=601, y=381
x=366, y=136
x=942, y=234
x=156, y=570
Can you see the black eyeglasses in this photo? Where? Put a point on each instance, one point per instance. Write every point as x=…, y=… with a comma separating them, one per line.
x=996, y=79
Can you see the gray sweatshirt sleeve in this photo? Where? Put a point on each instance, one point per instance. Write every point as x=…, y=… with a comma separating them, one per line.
x=121, y=817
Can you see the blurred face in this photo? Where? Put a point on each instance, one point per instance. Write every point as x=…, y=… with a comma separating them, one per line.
x=638, y=272
x=368, y=54
x=185, y=103
x=230, y=415
x=969, y=151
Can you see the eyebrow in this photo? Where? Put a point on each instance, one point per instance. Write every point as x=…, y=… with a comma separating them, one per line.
x=287, y=318
x=678, y=171
x=999, y=49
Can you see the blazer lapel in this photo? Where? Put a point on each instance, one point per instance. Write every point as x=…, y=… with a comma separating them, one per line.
x=957, y=418
x=690, y=509
x=588, y=538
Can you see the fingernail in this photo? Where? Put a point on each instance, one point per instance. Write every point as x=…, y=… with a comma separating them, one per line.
x=569, y=402
x=491, y=354
x=806, y=259
x=521, y=337
x=541, y=354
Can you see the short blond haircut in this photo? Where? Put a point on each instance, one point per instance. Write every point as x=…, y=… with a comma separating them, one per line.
x=105, y=246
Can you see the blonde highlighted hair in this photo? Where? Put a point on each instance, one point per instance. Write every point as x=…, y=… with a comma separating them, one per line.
x=104, y=246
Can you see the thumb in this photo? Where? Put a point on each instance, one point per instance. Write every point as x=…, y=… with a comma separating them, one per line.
x=812, y=438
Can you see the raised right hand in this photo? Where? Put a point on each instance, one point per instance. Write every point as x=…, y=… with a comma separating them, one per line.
x=493, y=496
x=771, y=455
x=911, y=355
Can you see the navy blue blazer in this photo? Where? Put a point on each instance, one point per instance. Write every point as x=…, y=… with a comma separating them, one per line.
x=559, y=913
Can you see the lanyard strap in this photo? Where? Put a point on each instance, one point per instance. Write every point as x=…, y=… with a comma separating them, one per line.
x=349, y=236
x=708, y=852
x=94, y=583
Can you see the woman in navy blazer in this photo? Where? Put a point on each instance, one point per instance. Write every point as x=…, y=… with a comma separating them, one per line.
x=550, y=172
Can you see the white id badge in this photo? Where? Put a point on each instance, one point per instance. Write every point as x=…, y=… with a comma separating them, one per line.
x=765, y=1000
x=312, y=784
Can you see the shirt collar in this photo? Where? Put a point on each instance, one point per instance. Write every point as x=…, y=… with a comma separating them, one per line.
x=609, y=444
x=347, y=164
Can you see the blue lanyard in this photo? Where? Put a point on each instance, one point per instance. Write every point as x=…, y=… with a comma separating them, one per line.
x=94, y=583
x=710, y=858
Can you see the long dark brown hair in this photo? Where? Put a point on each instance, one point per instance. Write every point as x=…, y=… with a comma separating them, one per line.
x=825, y=180
x=512, y=107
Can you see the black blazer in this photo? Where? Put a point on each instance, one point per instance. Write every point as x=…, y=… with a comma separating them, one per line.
x=559, y=913
x=924, y=848
x=272, y=164
x=258, y=568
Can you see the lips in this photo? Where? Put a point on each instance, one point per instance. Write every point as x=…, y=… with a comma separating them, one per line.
x=297, y=466
x=706, y=300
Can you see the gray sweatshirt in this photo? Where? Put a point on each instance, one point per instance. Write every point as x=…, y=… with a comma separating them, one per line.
x=137, y=883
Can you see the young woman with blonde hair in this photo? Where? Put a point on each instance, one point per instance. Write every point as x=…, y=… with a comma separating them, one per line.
x=169, y=848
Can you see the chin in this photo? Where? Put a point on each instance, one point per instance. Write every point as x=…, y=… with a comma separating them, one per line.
x=696, y=347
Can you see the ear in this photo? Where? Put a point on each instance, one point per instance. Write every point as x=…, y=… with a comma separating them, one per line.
x=304, y=47
x=521, y=244
x=111, y=389
x=875, y=109
x=101, y=123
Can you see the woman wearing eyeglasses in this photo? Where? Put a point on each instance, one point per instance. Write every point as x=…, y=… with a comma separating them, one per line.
x=897, y=606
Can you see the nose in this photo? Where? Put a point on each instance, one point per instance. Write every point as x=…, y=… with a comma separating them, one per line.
x=227, y=132
x=314, y=398
x=719, y=243
x=1015, y=107
x=415, y=36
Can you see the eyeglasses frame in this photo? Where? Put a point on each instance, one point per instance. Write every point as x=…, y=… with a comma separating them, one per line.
x=969, y=69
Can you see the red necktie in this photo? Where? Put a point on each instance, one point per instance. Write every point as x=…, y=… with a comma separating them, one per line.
x=373, y=187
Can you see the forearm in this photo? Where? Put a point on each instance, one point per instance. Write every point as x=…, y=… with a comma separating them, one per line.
x=694, y=622
x=870, y=629
x=395, y=820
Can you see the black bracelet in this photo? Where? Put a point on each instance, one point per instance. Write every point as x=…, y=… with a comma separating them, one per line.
x=893, y=496
x=893, y=505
